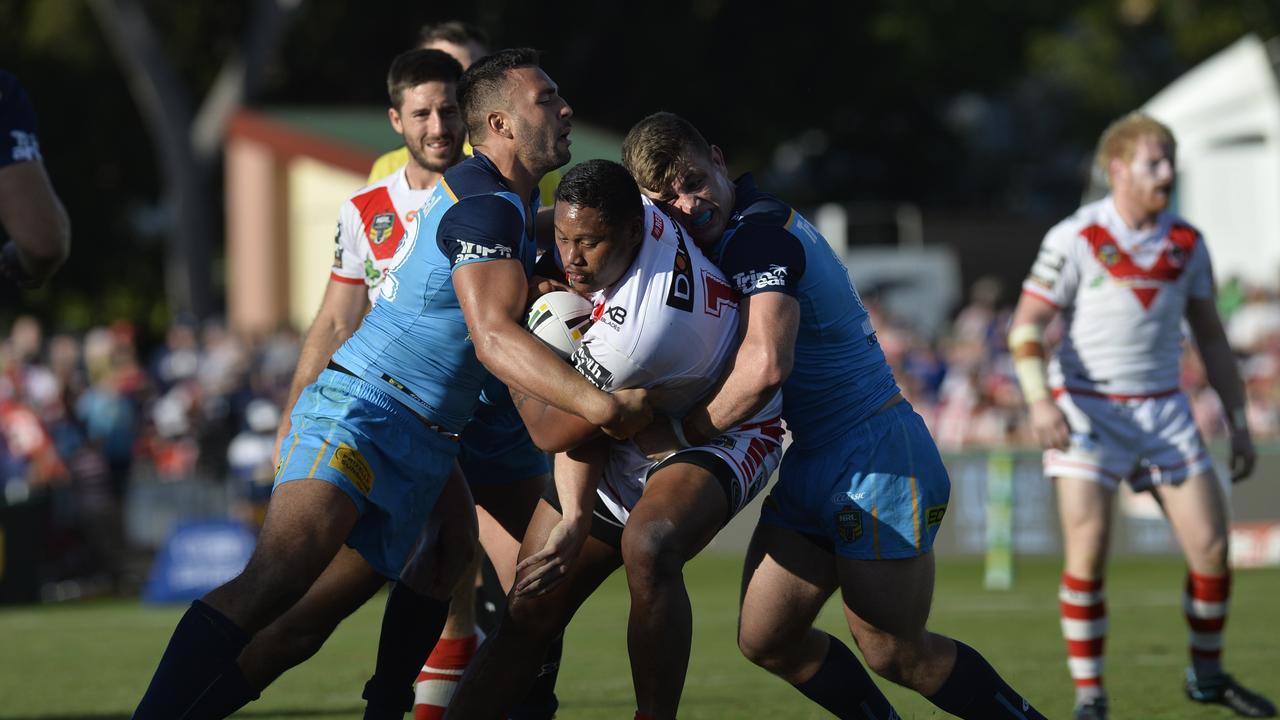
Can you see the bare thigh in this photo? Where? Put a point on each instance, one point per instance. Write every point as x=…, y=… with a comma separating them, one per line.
x=1197, y=512
x=1084, y=507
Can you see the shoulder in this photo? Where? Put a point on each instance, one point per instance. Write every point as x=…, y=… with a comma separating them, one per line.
x=388, y=163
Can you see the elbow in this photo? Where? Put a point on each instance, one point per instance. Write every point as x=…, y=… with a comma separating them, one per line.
x=771, y=372
x=549, y=442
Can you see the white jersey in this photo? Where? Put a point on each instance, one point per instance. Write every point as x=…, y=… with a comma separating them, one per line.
x=370, y=225
x=1123, y=295
x=668, y=325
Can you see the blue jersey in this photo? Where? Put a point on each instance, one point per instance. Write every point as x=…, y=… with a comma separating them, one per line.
x=17, y=123
x=840, y=376
x=414, y=343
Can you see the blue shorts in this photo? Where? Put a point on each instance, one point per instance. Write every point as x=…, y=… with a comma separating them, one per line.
x=392, y=466
x=878, y=492
x=496, y=448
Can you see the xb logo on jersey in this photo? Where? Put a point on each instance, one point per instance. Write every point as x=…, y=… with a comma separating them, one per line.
x=380, y=228
x=614, y=317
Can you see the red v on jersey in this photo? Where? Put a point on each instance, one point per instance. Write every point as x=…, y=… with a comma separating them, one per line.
x=382, y=226
x=1144, y=282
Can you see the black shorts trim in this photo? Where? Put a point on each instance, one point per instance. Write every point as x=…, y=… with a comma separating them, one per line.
x=604, y=526
x=719, y=468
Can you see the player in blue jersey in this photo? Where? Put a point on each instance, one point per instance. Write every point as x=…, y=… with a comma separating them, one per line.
x=39, y=233
x=375, y=436
x=862, y=488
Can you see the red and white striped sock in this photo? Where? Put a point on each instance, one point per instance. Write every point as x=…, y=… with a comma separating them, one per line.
x=1205, y=602
x=440, y=675
x=1084, y=625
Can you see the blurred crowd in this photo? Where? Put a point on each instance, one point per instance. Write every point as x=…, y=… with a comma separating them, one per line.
x=84, y=417
x=963, y=381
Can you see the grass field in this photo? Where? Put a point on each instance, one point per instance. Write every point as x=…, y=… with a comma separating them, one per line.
x=93, y=660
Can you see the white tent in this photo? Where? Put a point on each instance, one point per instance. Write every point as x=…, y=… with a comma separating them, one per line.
x=1225, y=114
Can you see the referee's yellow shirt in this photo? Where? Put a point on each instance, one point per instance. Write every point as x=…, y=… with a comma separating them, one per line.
x=392, y=161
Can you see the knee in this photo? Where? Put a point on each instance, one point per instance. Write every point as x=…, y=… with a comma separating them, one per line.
x=652, y=555
x=534, y=618
x=769, y=651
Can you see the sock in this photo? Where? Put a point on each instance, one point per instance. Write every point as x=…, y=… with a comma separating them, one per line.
x=411, y=625
x=440, y=675
x=204, y=646
x=229, y=693
x=1205, y=603
x=975, y=691
x=540, y=702
x=1084, y=625
x=844, y=688
x=643, y=716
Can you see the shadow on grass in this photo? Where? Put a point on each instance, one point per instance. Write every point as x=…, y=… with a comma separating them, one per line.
x=354, y=711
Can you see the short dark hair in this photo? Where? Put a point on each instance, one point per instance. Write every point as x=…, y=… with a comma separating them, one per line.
x=454, y=31
x=655, y=148
x=605, y=186
x=414, y=67
x=481, y=88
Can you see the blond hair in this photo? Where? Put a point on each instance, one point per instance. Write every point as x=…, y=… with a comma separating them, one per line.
x=656, y=147
x=1120, y=139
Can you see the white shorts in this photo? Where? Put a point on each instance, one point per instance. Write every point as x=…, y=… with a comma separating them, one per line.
x=744, y=460
x=1145, y=441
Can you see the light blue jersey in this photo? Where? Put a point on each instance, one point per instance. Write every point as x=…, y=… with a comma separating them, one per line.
x=840, y=376
x=860, y=480
x=414, y=344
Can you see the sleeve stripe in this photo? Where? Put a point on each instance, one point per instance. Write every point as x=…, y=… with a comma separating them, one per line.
x=342, y=279
x=1040, y=296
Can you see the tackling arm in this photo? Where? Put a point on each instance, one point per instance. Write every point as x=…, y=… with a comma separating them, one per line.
x=492, y=295
x=768, y=323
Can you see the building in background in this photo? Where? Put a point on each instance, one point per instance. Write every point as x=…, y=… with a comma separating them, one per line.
x=288, y=170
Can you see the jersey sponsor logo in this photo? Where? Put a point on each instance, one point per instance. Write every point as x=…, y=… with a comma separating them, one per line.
x=775, y=276
x=614, y=317
x=381, y=226
x=849, y=523
x=337, y=247
x=476, y=251
x=1047, y=269
x=25, y=146
x=933, y=516
x=590, y=368
x=658, y=226
x=372, y=275
x=717, y=294
x=680, y=294
x=348, y=461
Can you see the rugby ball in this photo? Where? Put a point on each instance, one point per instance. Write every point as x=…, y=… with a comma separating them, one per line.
x=560, y=319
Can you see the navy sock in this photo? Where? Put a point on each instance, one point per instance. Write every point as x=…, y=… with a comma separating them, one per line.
x=844, y=687
x=228, y=693
x=204, y=646
x=540, y=702
x=974, y=690
x=411, y=625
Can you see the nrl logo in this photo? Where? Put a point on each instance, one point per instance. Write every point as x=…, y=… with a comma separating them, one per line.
x=380, y=228
x=1108, y=254
x=849, y=523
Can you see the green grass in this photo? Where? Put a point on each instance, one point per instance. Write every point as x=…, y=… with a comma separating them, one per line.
x=93, y=660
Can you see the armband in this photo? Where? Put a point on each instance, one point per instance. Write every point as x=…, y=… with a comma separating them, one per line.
x=1025, y=343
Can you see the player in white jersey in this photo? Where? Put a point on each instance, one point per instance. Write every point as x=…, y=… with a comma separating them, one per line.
x=1124, y=272
x=666, y=320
